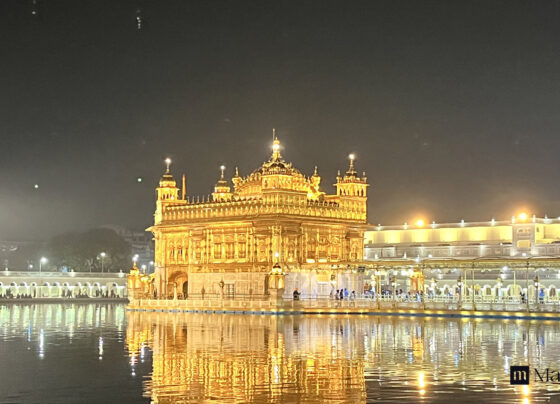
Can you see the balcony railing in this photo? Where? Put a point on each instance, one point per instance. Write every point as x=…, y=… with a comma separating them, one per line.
x=449, y=303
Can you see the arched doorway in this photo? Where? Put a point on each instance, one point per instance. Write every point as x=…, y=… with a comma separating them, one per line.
x=181, y=280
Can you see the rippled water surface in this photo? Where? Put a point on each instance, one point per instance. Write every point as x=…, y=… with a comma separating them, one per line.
x=101, y=353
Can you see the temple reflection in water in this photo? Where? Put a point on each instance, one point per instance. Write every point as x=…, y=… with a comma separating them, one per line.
x=236, y=358
x=247, y=359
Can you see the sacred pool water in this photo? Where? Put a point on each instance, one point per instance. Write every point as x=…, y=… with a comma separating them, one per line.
x=55, y=353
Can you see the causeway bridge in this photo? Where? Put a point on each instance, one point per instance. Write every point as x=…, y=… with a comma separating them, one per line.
x=63, y=284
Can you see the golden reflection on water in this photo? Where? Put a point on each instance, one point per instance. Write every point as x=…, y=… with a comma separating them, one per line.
x=350, y=359
x=242, y=359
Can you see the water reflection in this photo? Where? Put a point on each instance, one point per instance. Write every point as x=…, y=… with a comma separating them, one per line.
x=237, y=358
x=65, y=353
x=247, y=358
x=100, y=353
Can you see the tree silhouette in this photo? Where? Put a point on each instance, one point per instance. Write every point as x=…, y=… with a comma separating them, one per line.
x=81, y=251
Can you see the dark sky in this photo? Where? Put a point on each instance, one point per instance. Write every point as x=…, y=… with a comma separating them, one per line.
x=452, y=107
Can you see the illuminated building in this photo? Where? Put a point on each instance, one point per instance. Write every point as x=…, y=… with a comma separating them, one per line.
x=493, y=257
x=227, y=244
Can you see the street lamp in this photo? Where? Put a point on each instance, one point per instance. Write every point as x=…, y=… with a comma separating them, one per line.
x=473, y=291
x=42, y=261
x=103, y=255
x=536, y=281
x=527, y=284
x=499, y=289
x=460, y=285
x=394, y=285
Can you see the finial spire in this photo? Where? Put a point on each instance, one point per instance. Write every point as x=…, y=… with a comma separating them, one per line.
x=236, y=171
x=168, y=164
x=315, y=172
x=351, y=170
x=222, y=169
x=275, y=147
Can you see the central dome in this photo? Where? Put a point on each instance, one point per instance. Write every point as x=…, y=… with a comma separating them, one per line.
x=276, y=174
x=276, y=164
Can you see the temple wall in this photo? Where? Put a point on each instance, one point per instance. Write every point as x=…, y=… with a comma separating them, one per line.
x=310, y=287
x=240, y=283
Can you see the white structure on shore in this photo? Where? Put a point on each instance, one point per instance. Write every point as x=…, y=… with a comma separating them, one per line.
x=62, y=284
x=493, y=258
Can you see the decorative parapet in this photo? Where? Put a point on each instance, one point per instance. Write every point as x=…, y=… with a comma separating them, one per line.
x=271, y=205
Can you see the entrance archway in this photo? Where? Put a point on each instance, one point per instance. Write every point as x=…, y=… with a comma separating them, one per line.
x=181, y=279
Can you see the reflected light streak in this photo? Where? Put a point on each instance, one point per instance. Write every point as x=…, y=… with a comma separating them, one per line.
x=100, y=348
x=421, y=383
x=41, y=344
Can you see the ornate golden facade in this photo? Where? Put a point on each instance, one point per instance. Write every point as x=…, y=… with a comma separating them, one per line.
x=226, y=245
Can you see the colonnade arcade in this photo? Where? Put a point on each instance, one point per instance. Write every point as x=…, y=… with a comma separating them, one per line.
x=490, y=279
x=62, y=289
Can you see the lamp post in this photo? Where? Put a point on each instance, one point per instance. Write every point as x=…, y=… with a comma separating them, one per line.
x=394, y=287
x=423, y=295
x=377, y=275
x=536, y=281
x=499, y=289
x=102, y=255
x=473, y=292
x=42, y=261
x=527, y=284
x=460, y=286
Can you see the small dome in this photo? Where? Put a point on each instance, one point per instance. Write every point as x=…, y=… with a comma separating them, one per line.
x=167, y=180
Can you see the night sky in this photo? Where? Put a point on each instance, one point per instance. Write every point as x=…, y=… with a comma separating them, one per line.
x=451, y=107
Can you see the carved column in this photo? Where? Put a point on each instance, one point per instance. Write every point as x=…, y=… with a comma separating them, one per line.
x=235, y=248
x=317, y=245
x=223, y=244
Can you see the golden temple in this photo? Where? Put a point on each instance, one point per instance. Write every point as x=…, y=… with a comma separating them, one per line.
x=275, y=220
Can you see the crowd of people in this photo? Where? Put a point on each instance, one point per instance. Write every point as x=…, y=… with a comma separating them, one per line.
x=340, y=294
x=10, y=295
x=343, y=294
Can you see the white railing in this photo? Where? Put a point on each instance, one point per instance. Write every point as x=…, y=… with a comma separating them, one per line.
x=482, y=303
x=45, y=274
